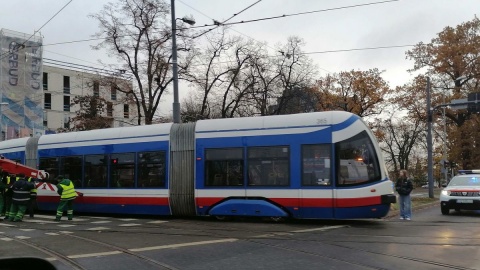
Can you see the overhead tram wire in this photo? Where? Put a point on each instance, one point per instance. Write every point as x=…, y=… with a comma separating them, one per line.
x=329, y=51
x=235, y=29
x=217, y=24
x=73, y=65
x=214, y=19
x=233, y=23
x=282, y=16
x=291, y=15
x=360, y=49
x=84, y=67
x=92, y=63
x=36, y=31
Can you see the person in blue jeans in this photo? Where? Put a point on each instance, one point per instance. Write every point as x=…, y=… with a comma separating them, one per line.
x=404, y=186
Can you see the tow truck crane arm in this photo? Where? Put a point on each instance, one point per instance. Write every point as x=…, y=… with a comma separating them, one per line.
x=14, y=167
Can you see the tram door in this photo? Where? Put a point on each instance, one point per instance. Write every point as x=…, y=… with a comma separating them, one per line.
x=316, y=183
x=317, y=203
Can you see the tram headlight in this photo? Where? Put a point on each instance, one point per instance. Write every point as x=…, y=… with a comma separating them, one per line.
x=446, y=192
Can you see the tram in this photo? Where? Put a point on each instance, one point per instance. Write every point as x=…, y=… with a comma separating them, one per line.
x=321, y=165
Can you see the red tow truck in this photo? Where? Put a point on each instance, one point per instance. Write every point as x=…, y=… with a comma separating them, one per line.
x=14, y=167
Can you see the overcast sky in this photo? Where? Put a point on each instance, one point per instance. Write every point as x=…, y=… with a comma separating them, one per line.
x=403, y=22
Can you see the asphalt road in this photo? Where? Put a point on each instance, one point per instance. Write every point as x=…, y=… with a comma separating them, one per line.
x=429, y=241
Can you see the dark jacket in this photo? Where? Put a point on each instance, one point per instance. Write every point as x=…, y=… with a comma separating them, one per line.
x=9, y=181
x=21, y=191
x=404, y=186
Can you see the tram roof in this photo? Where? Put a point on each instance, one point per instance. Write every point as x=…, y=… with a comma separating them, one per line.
x=275, y=121
x=108, y=134
x=8, y=146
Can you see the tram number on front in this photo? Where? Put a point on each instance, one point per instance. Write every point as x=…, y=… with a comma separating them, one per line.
x=322, y=121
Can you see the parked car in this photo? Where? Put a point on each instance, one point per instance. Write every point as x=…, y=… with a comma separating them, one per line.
x=425, y=186
x=462, y=192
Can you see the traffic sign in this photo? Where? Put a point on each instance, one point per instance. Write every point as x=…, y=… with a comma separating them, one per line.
x=459, y=104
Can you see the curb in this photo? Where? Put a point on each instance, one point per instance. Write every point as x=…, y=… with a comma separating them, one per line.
x=396, y=213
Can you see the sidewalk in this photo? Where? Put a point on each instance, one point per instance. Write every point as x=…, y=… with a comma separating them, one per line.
x=419, y=201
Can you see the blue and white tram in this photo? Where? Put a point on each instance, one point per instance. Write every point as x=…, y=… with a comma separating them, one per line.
x=324, y=165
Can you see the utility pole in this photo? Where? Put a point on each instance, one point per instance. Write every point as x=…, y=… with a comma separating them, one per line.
x=429, y=142
x=176, y=103
x=444, y=138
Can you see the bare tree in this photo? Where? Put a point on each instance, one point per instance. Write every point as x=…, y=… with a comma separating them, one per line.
x=138, y=34
x=295, y=72
x=398, y=138
x=220, y=75
x=91, y=114
x=282, y=79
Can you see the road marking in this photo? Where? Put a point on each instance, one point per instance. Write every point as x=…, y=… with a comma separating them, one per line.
x=129, y=225
x=6, y=239
x=272, y=234
x=108, y=253
x=6, y=225
x=95, y=254
x=184, y=245
x=127, y=219
x=101, y=221
x=66, y=225
x=52, y=233
x=319, y=229
x=65, y=232
x=52, y=217
x=98, y=229
x=40, y=221
x=157, y=221
x=45, y=216
x=27, y=230
x=22, y=237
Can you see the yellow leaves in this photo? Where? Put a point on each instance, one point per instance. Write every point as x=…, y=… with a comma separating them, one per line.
x=359, y=92
x=454, y=51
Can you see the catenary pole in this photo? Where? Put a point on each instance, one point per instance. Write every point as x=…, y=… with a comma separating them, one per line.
x=176, y=104
x=429, y=142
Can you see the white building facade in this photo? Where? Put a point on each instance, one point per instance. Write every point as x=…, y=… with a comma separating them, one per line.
x=61, y=86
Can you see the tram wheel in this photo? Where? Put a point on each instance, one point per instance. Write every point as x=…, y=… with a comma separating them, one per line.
x=222, y=218
x=277, y=219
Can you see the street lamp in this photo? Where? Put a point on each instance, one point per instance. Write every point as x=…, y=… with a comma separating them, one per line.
x=1, y=119
x=176, y=103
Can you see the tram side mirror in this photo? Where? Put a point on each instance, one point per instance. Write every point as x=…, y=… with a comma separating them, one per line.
x=26, y=263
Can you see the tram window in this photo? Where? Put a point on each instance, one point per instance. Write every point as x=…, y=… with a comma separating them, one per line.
x=122, y=170
x=356, y=161
x=51, y=166
x=224, y=167
x=269, y=166
x=71, y=168
x=151, y=169
x=95, y=171
x=316, y=165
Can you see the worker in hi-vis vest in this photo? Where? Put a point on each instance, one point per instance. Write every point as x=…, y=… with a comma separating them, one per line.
x=67, y=193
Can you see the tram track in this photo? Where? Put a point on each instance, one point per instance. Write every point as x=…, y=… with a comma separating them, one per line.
x=214, y=230
x=52, y=253
x=67, y=260
x=284, y=236
x=125, y=251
